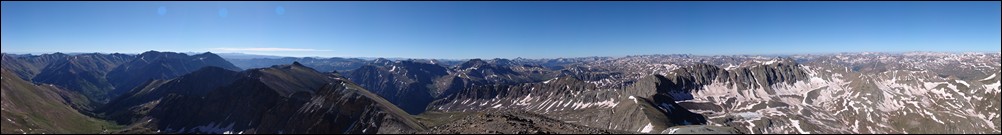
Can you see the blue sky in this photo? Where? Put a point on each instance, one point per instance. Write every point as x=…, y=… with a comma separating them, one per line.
x=500, y=29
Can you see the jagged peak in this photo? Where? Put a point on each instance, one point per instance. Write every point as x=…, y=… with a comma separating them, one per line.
x=564, y=80
x=410, y=61
x=157, y=54
x=366, y=67
x=499, y=60
x=7, y=56
x=778, y=61
x=701, y=67
x=53, y=55
x=419, y=63
x=294, y=65
x=291, y=78
x=208, y=54
x=382, y=60
x=211, y=69
x=655, y=78
x=474, y=62
x=151, y=52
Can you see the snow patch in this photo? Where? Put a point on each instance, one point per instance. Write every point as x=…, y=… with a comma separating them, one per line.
x=611, y=103
x=749, y=115
x=647, y=129
x=770, y=62
x=548, y=81
x=672, y=130
x=634, y=99
x=796, y=124
x=525, y=101
x=484, y=104
x=855, y=126
x=214, y=129
x=729, y=68
x=989, y=77
x=668, y=108
x=933, y=117
x=994, y=86
x=963, y=82
x=568, y=103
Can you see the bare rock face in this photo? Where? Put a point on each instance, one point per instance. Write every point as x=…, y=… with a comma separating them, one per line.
x=702, y=129
x=507, y=122
x=84, y=73
x=413, y=85
x=574, y=101
x=281, y=99
x=681, y=83
x=407, y=84
x=28, y=66
x=666, y=94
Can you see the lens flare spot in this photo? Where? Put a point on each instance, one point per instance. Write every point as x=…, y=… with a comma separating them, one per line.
x=223, y=12
x=280, y=10
x=162, y=10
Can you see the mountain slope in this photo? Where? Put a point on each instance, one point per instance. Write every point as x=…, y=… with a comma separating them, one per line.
x=821, y=98
x=834, y=93
x=30, y=108
x=571, y=100
x=505, y=122
x=155, y=65
x=281, y=99
x=407, y=84
x=477, y=72
x=129, y=107
x=84, y=73
x=321, y=64
x=27, y=66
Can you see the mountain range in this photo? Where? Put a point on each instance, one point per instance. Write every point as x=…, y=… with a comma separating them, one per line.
x=166, y=92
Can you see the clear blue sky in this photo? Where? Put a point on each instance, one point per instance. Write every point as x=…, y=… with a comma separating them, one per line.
x=500, y=29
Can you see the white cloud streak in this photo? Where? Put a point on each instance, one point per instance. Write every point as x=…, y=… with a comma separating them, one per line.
x=269, y=49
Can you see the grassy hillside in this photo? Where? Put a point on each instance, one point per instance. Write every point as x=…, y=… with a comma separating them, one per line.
x=30, y=108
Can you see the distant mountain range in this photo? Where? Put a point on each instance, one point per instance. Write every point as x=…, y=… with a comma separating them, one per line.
x=165, y=92
x=243, y=56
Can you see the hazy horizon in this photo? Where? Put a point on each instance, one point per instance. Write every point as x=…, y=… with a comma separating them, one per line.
x=264, y=55
x=466, y=30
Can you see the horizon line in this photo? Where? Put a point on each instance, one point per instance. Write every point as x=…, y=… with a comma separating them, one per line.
x=621, y=56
